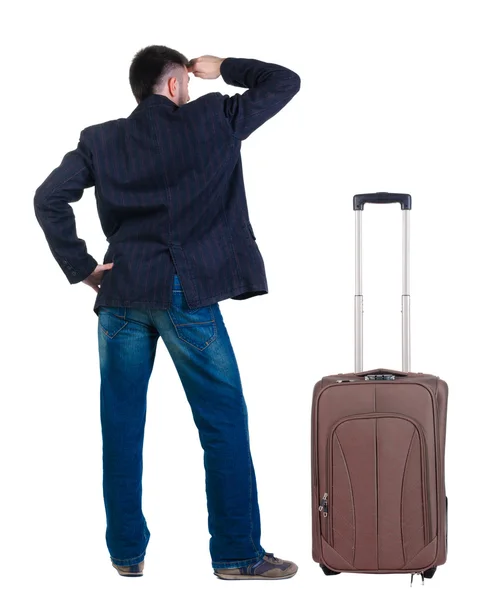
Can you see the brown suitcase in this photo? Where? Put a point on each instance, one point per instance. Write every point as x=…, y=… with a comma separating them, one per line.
x=378, y=454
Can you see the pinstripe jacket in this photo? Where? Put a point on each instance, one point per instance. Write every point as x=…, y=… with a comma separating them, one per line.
x=170, y=195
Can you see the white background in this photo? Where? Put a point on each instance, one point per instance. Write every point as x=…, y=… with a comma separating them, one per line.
x=394, y=98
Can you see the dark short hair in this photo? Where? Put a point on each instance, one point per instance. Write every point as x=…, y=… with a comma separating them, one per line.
x=150, y=66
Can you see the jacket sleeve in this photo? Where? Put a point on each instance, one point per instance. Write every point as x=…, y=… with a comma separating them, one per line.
x=55, y=215
x=271, y=87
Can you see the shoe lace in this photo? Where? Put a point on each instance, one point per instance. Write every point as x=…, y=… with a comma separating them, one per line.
x=272, y=557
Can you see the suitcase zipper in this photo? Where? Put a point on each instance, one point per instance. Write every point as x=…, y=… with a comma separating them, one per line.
x=432, y=394
x=323, y=506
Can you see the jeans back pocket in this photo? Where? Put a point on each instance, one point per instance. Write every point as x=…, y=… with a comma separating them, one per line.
x=112, y=319
x=196, y=326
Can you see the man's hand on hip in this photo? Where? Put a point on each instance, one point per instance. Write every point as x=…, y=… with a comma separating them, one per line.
x=95, y=278
x=205, y=67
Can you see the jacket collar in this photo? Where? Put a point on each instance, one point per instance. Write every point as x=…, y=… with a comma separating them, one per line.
x=154, y=100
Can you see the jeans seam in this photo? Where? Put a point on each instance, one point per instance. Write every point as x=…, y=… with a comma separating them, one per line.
x=250, y=489
x=257, y=552
x=152, y=319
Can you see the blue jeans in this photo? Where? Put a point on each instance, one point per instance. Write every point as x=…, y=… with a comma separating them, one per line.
x=201, y=350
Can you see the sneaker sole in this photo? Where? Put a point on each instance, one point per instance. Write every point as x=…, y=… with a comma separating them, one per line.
x=263, y=577
x=122, y=574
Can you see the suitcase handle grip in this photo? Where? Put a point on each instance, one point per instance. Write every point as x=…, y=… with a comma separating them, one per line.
x=381, y=198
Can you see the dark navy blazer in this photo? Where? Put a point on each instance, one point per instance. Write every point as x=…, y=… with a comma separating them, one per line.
x=170, y=195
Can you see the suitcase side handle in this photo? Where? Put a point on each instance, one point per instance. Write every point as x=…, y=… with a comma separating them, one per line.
x=381, y=198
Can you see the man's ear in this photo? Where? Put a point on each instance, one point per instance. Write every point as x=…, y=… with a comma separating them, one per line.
x=172, y=86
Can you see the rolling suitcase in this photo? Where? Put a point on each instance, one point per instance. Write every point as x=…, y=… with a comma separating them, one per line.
x=378, y=452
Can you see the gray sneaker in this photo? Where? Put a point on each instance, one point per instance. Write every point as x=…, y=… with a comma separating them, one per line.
x=268, y=567
x=131, y=570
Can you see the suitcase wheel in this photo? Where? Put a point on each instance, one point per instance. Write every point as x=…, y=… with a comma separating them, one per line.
x=429, y=573
x=328, y=571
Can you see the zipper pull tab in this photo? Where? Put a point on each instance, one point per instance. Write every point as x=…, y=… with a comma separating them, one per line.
x=323, y=507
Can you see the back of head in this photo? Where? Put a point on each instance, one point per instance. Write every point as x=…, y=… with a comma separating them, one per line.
x=151, y=67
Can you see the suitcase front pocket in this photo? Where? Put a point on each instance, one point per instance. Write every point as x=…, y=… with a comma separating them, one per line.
x=378, y=514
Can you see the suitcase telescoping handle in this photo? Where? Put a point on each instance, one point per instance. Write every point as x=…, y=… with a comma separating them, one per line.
x=383, y=198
